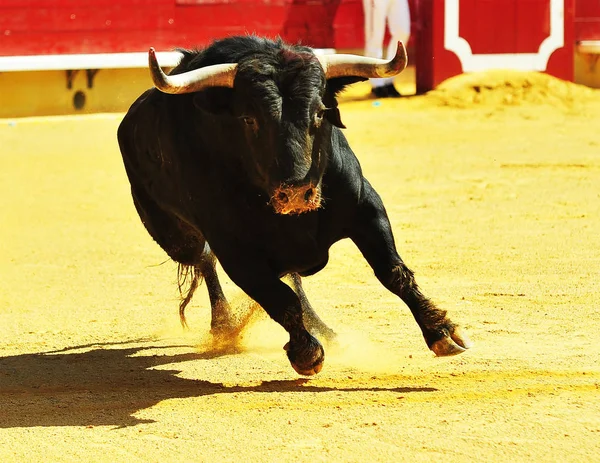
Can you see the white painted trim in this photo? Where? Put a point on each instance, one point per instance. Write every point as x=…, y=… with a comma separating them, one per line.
x=520, y=61
x=90, y=61
x=324, y=51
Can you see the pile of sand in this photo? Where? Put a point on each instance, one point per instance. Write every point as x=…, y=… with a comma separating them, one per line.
x=511, y=88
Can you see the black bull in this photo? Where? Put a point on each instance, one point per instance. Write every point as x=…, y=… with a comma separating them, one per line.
x=241, y=147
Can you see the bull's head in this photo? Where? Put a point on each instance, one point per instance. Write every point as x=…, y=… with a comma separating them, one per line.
x=285, y=106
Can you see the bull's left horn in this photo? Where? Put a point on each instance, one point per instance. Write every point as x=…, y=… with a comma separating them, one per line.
x=218, y=75
x=363, y=66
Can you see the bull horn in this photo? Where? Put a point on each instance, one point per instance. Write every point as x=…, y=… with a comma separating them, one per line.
x=218, y=75
x=363, y=66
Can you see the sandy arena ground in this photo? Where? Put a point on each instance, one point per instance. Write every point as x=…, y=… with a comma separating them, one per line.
x=492, y=184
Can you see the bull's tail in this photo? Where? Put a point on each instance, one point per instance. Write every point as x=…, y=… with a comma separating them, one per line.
x=189, y=278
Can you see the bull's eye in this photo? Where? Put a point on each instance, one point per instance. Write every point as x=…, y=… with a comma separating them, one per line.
x=319, y=115
x=249, y=121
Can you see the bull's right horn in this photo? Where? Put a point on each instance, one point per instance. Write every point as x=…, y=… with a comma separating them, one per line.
x=363, y=66
x=218, y=75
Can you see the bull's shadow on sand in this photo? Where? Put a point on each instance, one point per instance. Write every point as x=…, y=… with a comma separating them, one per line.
x=106, y=385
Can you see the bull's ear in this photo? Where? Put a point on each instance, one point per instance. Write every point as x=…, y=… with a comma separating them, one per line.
x=334, y=87
x=333, y=116
x=217, y=100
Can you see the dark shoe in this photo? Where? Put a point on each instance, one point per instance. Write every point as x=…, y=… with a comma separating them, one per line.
x=392, y=92
x=385, y=91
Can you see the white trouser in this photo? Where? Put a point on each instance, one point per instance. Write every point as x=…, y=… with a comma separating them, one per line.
x=397, y=15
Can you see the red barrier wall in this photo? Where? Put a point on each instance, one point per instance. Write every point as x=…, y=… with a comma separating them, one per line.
x=483, y=29
x=37, y=27
x=30, y=27
x=473, y=35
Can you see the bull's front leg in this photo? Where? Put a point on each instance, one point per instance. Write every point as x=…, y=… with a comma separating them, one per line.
x=373, y=235
x=258, y=281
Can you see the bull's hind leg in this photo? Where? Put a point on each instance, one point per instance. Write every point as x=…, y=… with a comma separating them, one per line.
x=372, y=234
x=186, y=246
x=224, y=326
x=312, y=321
x=222, y=323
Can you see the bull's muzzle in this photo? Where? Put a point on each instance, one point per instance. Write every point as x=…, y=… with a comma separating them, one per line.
x=296, y=199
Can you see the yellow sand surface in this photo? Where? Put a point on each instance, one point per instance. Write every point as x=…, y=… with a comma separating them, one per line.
x=492, y=185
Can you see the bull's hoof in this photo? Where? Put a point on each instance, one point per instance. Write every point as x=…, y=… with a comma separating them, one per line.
x=456, y=343
x=306, y=356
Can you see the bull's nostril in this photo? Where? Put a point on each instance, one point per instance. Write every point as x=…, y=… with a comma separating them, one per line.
x=310, y=193
x=282, y=197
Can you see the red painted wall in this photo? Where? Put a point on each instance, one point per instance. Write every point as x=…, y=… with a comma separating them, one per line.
x=32, y=27
x=29, y=27
x=491, y=27
x=498, y=26
x=587, y=20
